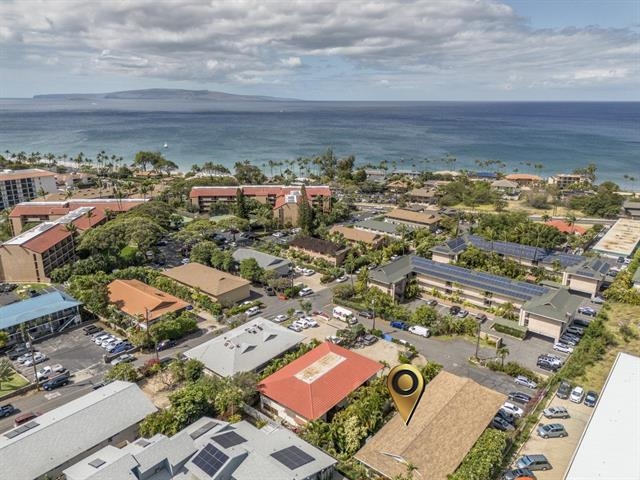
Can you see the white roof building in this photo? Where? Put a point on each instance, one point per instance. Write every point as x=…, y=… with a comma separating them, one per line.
x=47, y=443
x=246, y=348
x=609, y=446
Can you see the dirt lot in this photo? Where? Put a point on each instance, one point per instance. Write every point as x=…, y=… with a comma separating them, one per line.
x=559, y=450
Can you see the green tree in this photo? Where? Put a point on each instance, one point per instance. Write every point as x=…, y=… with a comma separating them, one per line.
x=246, y=173
x=242, y=209
x=503, y=352
x=251, y=270
x=6, y=371
x=4, y=338
x=123, y=371
x=305, y=212
x=145, y=158
x=305, y=306
x=203, y=252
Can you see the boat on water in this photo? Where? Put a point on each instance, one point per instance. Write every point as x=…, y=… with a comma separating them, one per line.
x=166, y=145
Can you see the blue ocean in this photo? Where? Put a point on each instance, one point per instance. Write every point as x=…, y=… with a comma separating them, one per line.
x=558, y=136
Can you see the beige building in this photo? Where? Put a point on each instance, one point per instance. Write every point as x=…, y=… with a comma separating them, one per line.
x=550, y=314
x=319, y=248
x=354, y=235
x=222, y=287
x=524, y=179
x=22, y=185
x=586, y=277
x=564, y=180
x=143, y=302
x=414, y=219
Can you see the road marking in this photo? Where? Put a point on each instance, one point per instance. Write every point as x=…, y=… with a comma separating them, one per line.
x=52, y=395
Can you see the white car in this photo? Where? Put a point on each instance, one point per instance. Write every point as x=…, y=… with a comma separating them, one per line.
x=37, y=358
x=280, y=318
x=44, y=373
x=23, y=358
x=512, y=409
x=101, y=338
x=298, y=269
x=308, y=272
x=253, y=311
x=184, y=261
x=561, y=347
x=341, y=279
x=577, y=394
x=109, y=341
x=302, y=323
x=305, y=291
x=311, y=322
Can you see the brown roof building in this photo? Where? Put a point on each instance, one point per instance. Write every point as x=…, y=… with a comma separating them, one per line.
x=524, y=179
x=451, y=415
x=32, y=255
x=353, y=235
x=319, y=248
x=222, y=287
x=416, y=219
x=139, y=300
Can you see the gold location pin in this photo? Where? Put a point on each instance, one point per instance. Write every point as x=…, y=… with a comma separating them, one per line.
x=405, y=384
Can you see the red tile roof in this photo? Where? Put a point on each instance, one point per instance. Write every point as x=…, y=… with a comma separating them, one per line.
x=197, y=192
x=47, y=239
x=319, y=380
x=85, y=223
x=37, y=210
x=258, y=190
x=62, y=208
x=136, y=298
x=564, y=227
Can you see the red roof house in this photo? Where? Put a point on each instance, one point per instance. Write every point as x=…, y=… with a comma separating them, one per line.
x=564, y=227
x=320, y=380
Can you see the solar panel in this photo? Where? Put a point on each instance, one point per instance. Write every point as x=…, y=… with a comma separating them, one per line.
x=96, y=463
x=229, y=439
x=292, y=457
x=210, y=460
x=202, y=430
x=12, y=433
x=31, y=425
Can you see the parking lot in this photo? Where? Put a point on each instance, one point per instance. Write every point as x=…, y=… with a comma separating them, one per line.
x=74, y=351
x=558, y=450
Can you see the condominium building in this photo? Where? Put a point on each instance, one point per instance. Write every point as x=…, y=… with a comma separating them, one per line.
x=36, y=212
x=564, y=180
x=32, y=255
x=203, y=197
x=22, y=185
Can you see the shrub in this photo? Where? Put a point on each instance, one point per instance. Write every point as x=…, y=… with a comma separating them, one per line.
x=512, y=369
x=514, y=332
x=484, y=459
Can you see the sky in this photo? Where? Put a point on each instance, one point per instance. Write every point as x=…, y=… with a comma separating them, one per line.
x=323, y=50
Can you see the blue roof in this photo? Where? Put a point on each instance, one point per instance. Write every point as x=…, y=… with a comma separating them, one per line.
x=36, y=307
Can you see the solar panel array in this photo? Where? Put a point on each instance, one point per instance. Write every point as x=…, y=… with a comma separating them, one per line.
x=457, y=244
x=292, y=457
x=229, y=439
x=564, y=259
x=479, y=280
x=210, y=460
x=21, y=429
x=594, y=267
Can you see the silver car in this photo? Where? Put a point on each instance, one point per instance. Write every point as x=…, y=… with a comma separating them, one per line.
x=525, y=382
x=552, y=430
x=555, y=412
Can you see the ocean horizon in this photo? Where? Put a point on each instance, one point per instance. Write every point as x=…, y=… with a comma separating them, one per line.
x=560, y=136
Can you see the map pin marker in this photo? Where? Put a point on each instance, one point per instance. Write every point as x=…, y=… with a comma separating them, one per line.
x=406, y=385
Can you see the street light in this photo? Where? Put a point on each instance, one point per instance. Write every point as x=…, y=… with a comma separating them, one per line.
x=373, y=308
x=478, y=339
x=33, y=360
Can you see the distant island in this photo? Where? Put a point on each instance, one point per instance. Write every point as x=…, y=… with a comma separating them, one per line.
x=163, y=94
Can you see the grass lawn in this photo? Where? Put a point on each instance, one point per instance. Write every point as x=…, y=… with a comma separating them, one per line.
x=17, y=381
x=521, y=206
x=619, y=314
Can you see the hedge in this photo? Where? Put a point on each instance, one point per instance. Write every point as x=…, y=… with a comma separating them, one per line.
x=514, y=332
x=513, y=369
x=484, y=459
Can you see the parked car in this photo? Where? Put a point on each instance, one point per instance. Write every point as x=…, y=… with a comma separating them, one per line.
x=251, y=311
x=55, y=382
x=509, y=417
x=127, y=357
x=551, y=430
x=577, y=394
x=37, y=358
x=17, y=352
x=24, y=418
x=597, y=300
x=369, y=339
x=399, y=324
x=302, y=323
x=575, y=330
x=501, y=424
x=432, y=303
x=590, y=311
x=525, y=382
x=307, y=272
x=562, y=347
x=420, y=330
x=365, y=314
x=545, y=364
x=305, y=291
x=270, y=291
x=342, y=278
x=89, y=329
x=454, y=309
x=334, y=339
x=165, y=344
x=564, y=390
x=280, y=318
x=311, y=322
x=295, y=327
x=519, y=397
x=123, y=347
x=512, y=409
x=591, y=398
x=7, y=410
x=555, y=412
x=23, y=358
x=481, y=317
x=519, y=474
x=533, y=462
x=462, y=313
x=101, y=338
x=44, y=373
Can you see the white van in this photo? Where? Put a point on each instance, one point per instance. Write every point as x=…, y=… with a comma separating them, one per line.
x=419, y=330
x=345, y=315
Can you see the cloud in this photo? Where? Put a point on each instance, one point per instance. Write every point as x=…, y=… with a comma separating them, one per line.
x=406, y=44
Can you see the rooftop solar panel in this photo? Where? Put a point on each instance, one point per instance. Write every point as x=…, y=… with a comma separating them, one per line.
x=229, y=439
x=292, y=457
x=210, y=460
x=202, y=430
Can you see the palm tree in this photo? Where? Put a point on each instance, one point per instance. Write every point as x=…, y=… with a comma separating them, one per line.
x=503, y=352
x=571, y=221
x=89, y=215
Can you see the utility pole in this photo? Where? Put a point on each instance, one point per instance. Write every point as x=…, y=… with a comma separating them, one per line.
x=478, y=340
x=33, y=362
x=373, y=308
